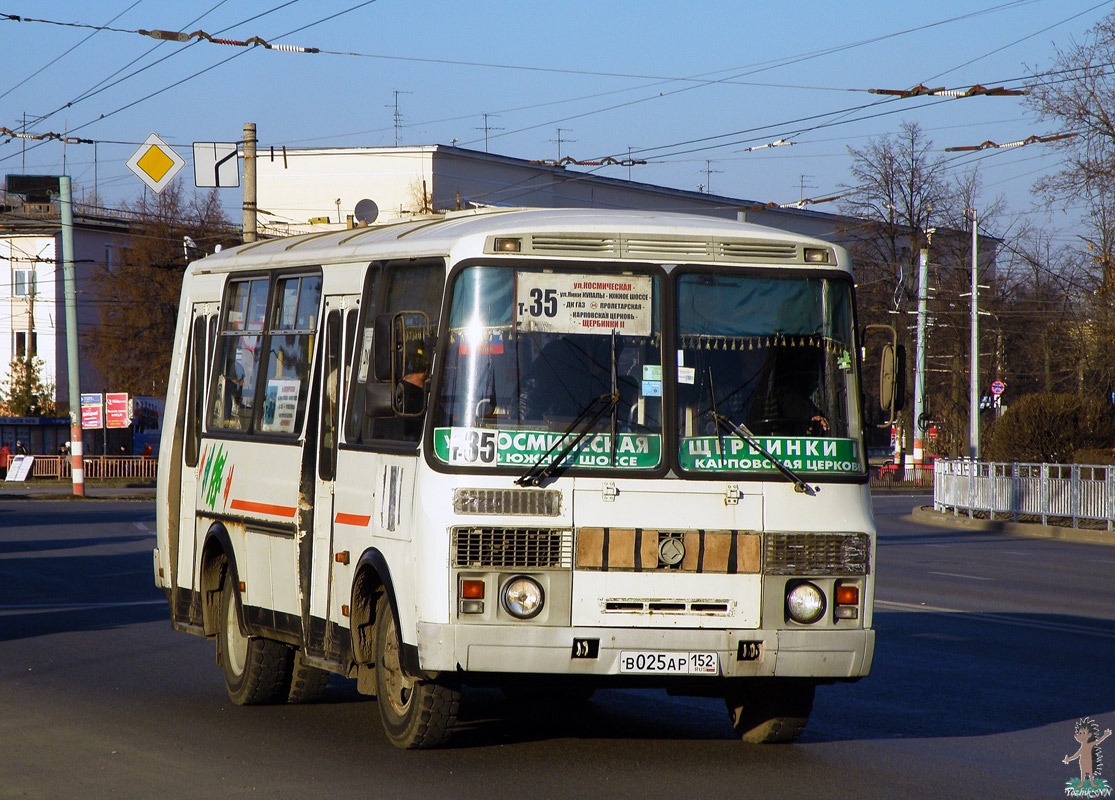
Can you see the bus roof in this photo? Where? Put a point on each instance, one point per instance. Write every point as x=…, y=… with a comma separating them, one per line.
x=569, y=233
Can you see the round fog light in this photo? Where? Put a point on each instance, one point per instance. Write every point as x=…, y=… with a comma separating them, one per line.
x=523, y=597
x=805, y=603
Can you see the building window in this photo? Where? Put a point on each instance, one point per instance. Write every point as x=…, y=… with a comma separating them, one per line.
x=21, y=338
x=23, y=282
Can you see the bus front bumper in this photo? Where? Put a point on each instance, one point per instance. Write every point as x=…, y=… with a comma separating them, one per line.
x=799, y=653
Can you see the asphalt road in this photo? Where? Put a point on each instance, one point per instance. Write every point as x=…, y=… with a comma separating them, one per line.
x=989, y=648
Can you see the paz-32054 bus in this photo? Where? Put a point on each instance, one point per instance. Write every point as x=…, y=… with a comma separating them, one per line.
x=549, y=451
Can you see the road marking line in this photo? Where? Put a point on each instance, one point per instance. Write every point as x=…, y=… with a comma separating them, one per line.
x=1005, y=619
x=959, y=575
x=55, y=606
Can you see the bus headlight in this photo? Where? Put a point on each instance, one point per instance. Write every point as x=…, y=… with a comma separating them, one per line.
x=805, y=603
x=523, y=597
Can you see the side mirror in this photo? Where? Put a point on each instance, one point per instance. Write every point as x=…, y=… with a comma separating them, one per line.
x=892, y=378
x=401, y=352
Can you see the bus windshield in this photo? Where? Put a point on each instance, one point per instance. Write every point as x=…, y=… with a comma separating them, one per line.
x=531, y=352
x=774, y=357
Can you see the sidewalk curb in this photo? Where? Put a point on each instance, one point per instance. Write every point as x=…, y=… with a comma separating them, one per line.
x=23, y=492
x=929, y=515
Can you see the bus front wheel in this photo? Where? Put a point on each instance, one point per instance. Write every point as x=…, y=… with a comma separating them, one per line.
x=416, y=713
x=256, y=670
x=768, y=711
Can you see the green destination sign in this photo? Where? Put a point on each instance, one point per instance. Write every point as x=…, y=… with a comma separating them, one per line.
x=801, y=454
x=494, y=448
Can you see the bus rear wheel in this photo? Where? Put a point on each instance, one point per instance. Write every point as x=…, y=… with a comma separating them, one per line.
x=307, y=683
x=770, y=711
x=256, y=670
x=416, y=713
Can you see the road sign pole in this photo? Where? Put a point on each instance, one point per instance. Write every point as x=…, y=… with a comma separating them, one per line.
x=973, y=385
x=77, y=461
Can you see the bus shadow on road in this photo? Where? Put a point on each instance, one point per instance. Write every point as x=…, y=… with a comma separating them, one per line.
x=939, y=674
x=60, y=592
x=935, y=675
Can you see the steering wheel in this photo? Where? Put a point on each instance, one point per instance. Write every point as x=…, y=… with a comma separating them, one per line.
x=782, y=424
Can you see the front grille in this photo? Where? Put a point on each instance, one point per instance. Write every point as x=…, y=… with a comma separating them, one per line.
x=817, y=554
x=642, y=606
x=512, y=548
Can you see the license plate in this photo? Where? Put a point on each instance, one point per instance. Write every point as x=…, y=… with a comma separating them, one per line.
x=656, y=662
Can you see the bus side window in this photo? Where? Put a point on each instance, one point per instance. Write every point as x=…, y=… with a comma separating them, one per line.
x=409, y=286
x=195, y=401
x=236, y=365
x=412, y=286
x=359, y=358
x=286, y=373
x=331, y=396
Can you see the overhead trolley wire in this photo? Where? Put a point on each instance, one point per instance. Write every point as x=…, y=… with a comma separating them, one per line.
x=69, y=50
x=213, y=66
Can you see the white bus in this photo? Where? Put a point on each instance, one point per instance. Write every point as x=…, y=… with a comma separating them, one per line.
x=544, y=450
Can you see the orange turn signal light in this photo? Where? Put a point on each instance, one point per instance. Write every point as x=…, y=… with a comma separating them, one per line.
x=472, y=590
x=847, y=595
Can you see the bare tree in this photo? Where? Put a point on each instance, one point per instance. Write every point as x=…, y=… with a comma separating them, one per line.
x=139, y=296
x=1077, y=95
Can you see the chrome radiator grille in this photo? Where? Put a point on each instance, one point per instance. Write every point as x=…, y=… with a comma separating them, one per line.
x=817, y=554
x=512, y=548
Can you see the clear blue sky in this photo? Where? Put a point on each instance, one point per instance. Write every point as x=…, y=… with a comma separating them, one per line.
x=661, y=78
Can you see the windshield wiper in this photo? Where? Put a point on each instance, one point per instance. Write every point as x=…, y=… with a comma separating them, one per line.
x=750, y=438
x=589, y=416
x=747, y=436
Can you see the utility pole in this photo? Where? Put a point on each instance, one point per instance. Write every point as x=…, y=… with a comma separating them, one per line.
x=249, y=182
x=77, y=460
x=919, y=369
x=973, y=384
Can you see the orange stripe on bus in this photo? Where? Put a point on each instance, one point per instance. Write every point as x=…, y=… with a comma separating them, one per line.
x=353, y=519
x=263, y=508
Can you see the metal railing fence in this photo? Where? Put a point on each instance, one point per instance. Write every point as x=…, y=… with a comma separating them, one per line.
x=138, y=467
x=1041, y=491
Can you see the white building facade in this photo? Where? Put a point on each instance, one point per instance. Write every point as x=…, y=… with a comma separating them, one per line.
x=32, y=292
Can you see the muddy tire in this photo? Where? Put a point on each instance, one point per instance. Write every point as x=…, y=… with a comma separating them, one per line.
x=256, y=670
x=416, y=713
x=306, y=683
x=770, y=711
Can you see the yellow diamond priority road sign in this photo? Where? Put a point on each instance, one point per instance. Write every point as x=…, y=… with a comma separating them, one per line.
x=155, y=163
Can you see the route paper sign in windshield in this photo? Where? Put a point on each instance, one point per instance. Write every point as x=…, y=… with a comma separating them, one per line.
x=553, y=302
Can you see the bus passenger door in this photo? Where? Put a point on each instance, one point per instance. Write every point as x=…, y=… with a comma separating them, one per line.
x=187, y=605
x=319, y=635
